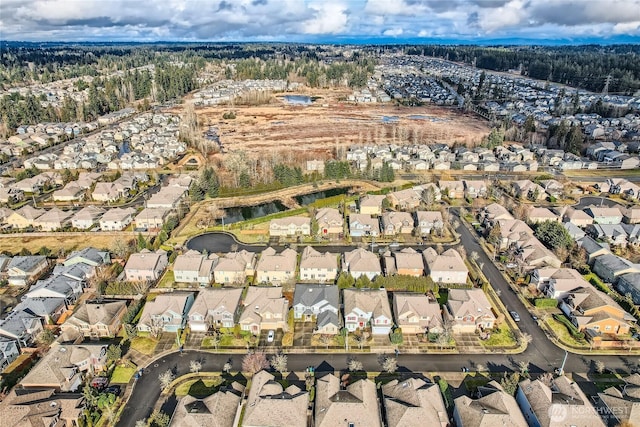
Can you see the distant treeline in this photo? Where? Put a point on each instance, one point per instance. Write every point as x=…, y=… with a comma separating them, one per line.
x=585, y=67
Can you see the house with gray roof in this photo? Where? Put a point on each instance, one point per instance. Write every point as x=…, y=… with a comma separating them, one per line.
x=493, y=407
x=417, y=313
x=116, y=219
x=167, y=313
x=24, y=270
x=447, y=267
x=539, y=403
x=604, y=214
x=394, y=223
x=217, y=410
x=95, y=320
x=57, y=286
x=271, y=404
x=21, y=327
x=320, y=304
x=355, y=404
x=629, y=284
x=623, y=402
x=365, y=308
x=9, y=352
x=41, y=408
x=194, y=267
x=318, y=267
x=593, y=248
x=609, y=267
x=146, y=265
x=414, y=402
x=426, y=221
x=90, y=256
x=215, y=308
x=49, y=309
x=557, y=282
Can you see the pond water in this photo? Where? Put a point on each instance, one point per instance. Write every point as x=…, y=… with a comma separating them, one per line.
x=310, y=198
x=124, y=148
x=297, y=99
x=244, y=213
x=390, y=119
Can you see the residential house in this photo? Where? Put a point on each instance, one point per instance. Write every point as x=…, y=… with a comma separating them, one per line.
x=330, y=221
x=214, y=309
x=469, y=310
x=474, y=189
x=493, y=407
x=604, y=215
x=408, y=199
x=24, y=217
x=526, y=189
x=49, y=309
x=57, y=286
x=316, y=266
x=414, y=402
x=166, y=313
x=532, y=254
x=70, y=193
x=371, y=204
x=552, y=187
x=609, y=267
x=361, y=262
x=217, y=410
x=408, y=262
x=61, y=368
x=276, y=268
x=540, y=402
x=152, y=218
x=595, y=312
x=87, y=217
x=21, y=326
x=9, y=351
x=394, y=223
x=622, y=404
x=271, y=404
x=361, y=225
x=109, y=191
x=365, y=308
x=89, y=256
x=194, y=267
x=95, y=319
x=631, y=215
x=614, y=234
x=234, y=267
x=417, y=313
x=577, y=217
x=448, y=267
x=452, y=189
x=24, y=270
x=264, y=309
x=116, y=219
x=53, y=219
x=629, y=284
x=592, y=248
x=428, y=221
x=41, y=408
x=11, y=195
x=353, y=404
x=320, y=304
x=290, y=226
x=574, y=231
x=146, y=265
x=430, y=192
x=556, y=283
x=539, y=214
x=495, y=212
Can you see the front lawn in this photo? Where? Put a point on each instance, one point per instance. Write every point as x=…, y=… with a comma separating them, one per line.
x=144, y=345
x=167, y=280
x=561, y=330
x=198, y=387
x=122, y=374
x=504, y=337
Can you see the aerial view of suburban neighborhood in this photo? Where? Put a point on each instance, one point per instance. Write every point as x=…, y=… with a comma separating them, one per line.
x=288, y=213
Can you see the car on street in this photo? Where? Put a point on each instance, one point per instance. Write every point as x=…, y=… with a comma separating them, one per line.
x=271, y=335
x=515, y=315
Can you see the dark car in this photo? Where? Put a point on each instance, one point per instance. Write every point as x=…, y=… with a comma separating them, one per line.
x=113, y=389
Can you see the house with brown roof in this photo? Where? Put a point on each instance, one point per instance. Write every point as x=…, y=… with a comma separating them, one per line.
x=330, y=221
x=493, y=407
x=469, y=310
x=631, y=215
x=264, y=308
x=24, y=217
x=194, y=267
x=361, y=262
x=355, y=404
x=453, y=189
x=475, y=189
x=276, y=268
x=541, y=214
x=526, y=189
x=417, y=313
x=290, y=226
x=215, y=308
x=371, y=204
x=87, y=217
x=362, y=225
x=448, y=267
x=53, y=219
x=146, y=265
x=116, y=219
x=271, y=404
x=367, y=308
x=61, y=368
x=595, y=312
x=513, y=231
x=152, y=218
x=167, y=313
x=408, y=262
x=318, y=267
x=41, y=408
x=71, y=192
x=217, y=410
x=494, y=212
x=394, y=223
x=95, y=320
x=533, y=254
x=623, y=402
x=408, y=199
x=413, y=402
x=426, y=221
x=235, y=267
x=109, y=191
x=539, y=403
x=557, y=282
x=577, y=217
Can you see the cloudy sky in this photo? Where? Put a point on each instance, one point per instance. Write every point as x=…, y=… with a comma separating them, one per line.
x=321, y=20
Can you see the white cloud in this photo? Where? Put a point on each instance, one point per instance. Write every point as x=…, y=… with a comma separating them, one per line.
x=330, y=18
x=394, y=32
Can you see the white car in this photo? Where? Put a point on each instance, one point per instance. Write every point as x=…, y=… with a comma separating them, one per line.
x=271, y=335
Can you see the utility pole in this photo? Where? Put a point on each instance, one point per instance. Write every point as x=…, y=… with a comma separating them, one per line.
x=605, y=90
x=564, y=361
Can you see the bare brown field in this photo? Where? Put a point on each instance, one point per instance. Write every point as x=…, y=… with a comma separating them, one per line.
x=329, y=125
x=56, y=243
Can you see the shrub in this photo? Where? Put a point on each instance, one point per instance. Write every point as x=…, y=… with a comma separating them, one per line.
x=396, y=336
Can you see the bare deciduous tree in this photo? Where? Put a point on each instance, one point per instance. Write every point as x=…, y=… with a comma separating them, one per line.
x=389, y=364
x=166, y=378
x=599, y=366
x=254, y=361
x=195, y=366
x=526, y=338
x=354, y=365
x=474, y=256
x=141, y=423
x=279, y=363
x=227, y=367
x=546, y=379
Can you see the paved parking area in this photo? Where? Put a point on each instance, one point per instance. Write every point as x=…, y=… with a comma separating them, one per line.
x=302, y=334
x=166, y=342
x=194, y=340
x=277, y=341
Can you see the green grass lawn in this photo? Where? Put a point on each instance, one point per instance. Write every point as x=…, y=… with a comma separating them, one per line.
x=562, y=332
x=122, y=374
x=198, y=387
x=144, y=345
x=167, y=280
x=503, y=338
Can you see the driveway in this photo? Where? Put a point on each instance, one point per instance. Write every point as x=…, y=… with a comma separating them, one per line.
x=302, y=334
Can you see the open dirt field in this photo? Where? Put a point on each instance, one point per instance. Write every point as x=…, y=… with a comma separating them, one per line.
x=328, y=126
x=14, y=244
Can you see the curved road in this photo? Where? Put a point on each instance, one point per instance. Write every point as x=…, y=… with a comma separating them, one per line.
x=542, y=354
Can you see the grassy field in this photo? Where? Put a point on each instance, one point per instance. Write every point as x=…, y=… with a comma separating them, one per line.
x=122, y=374
x=503, y=338
x=144, y=345
x=198, y=387
x=563, y=334
x=55, y=243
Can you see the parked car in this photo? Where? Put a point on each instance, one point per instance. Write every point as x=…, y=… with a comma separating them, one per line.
x=113, y=389
x=271, y=335
x=99, y=382
x=515, y=315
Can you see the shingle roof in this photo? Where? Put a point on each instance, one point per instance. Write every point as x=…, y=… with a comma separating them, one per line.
x=357, y=403
x=414, y=403
x=270, y=404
